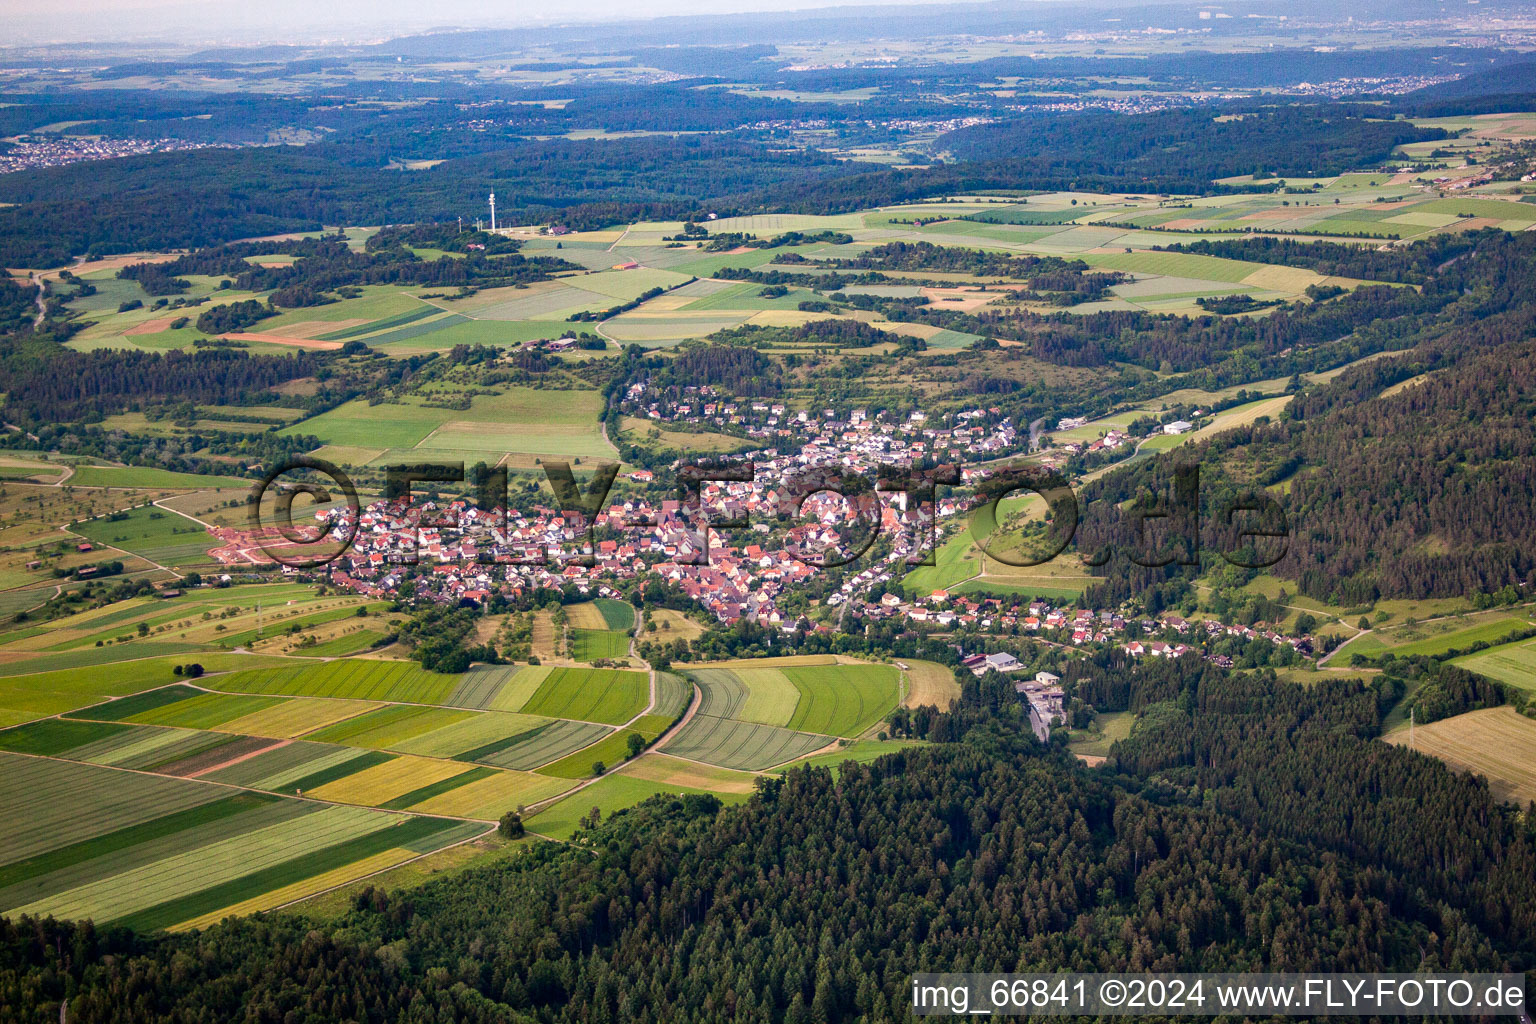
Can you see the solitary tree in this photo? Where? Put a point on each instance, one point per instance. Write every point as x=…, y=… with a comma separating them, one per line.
x=511, y=826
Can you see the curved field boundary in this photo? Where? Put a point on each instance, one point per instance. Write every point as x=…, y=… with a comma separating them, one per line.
x=617, y=615
x=843, y=700
x=724, y=693
x=672, y=695
x=741, y=745
x=674, y=771
x=772, y=696
x=930, y=683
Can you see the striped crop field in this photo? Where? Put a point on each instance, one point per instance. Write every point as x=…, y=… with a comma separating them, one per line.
x=611, y=750
x=55, y=737
x=135, y=745
x=124, y=708
x=315, y=872
x=179, y=875
x=355, y=679
x=541, y=745
x=843, y=700
x=492, y=796
x=480, y=687
x=591, y=695
x=592, y=644
x=389, y=726
x=274, y=768
x=744, y=745
x=832, y=700
x=202, y=762
x=71, y=865
x=761, y=695
x=297, y=716
x=673, y=694
x=619, y=615
x=1513, y=663
x=204, y=711
x=438, y=788
x=28, y=690
x=468, y=735
x=380, y=783
x=64, y=803
x=168, y=749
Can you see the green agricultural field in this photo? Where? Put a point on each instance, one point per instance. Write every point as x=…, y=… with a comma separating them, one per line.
x=1514, y=664
x=153, y=533
x=347, y=643
x=673, y=695
x=1451, y=639
x=143, y=476
x=52, y=737
x=619, y=615
x=469, y=734
x=519, y=420
x=65, y=803
x=496, y=687
x=743, y=745
x=1108, y=727
x=843, y=700
x=592, y=644
x=612, y=750
x=539, y=745
x=205, y=711
x=591, y=695
x=356, y=679
x=389, y=727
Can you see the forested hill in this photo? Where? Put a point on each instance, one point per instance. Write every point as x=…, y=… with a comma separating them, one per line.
x=205, y=197
x=818, y=899
x=1425, y=491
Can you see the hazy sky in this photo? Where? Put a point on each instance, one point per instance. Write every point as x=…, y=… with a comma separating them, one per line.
x=261, y=21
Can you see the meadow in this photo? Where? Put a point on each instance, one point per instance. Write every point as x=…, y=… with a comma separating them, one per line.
x=1514, y=664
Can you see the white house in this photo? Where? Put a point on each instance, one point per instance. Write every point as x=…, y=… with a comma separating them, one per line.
x=1178, y=427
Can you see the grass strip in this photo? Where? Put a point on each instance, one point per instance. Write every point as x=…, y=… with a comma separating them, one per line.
x=133, y=835
x=379, y=325
x=316, y=862
x=416, y=796
x=497, y=746
x=342, y=770
x=53, y=736
x=127, y=707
